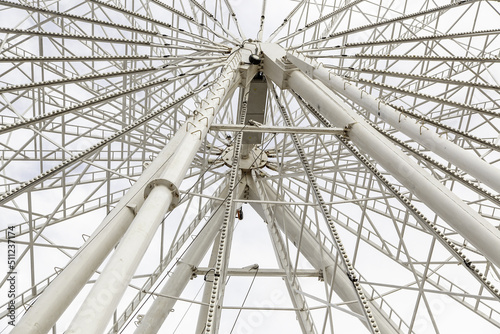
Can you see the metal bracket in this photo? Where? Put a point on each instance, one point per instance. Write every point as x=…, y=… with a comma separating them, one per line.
x=169, y=185
x=379, y=101
x=205, y=277
x=133, y=208
x=196, y=132
x=187, y=125
x=213, y=110
x=347, y=129
x=203, y=118
x=254, y=123
x=139, y=318
x=193, y=273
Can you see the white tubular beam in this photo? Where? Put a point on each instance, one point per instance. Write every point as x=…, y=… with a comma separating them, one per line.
x=263, y=272
x=98, y=307
x=277, y=129
x=161, y=308
x=463, y=159
x=42, y=316
x=436, y=196
x=291, y=225
x=106, y=293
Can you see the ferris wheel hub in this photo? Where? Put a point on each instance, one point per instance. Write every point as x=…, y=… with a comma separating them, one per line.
x=256, y=158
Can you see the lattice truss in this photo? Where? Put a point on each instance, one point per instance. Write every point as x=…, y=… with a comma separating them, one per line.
x=134, y=183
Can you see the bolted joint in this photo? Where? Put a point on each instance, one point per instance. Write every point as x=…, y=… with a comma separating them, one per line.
x=347, y=129
x=169, y=185
x=321, y=276
x=193, y=273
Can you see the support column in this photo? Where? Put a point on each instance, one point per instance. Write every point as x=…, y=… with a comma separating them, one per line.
x=106, y=293
x=162, y=306
x=466, y=221
x=463, y=159
x=50, y=305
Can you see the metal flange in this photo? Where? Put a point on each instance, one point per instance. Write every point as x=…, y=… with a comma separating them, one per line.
x=169, y=185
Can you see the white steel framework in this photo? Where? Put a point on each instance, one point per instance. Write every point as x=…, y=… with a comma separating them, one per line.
x=222, y=166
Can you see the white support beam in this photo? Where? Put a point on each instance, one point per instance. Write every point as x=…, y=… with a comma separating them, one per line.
x=480, y=233
x=466, y=160
x=50, y=305
x=263, y=272
x=185, y=268
x=98, y=307
x=183, y=239
x=162, y=307
x=278, y=129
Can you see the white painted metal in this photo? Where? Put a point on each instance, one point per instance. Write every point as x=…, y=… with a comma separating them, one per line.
x=50, y=305
x=465, y=160
x=104, y=297
x=292, y=283
x=208, y=285
x=278, y=129
x=93, y=93
x=447, y=205
x=95, y=312
x=212, y=323
x=321, y=259
x=184, y=270
x=263, y=272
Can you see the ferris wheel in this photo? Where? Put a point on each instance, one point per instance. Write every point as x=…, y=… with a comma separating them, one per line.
x=228, y=166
